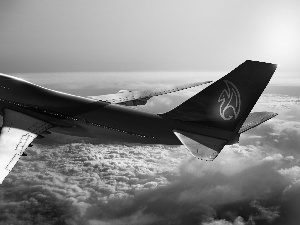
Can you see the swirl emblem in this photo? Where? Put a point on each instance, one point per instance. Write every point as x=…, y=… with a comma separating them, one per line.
x=230, y=101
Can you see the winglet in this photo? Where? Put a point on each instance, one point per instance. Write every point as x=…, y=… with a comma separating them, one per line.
x=226, y=103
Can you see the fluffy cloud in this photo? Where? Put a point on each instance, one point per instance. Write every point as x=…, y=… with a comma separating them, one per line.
x=277, y=101
x=255, y=182
x=82, y=178
x=115, y=184
x=238, y=221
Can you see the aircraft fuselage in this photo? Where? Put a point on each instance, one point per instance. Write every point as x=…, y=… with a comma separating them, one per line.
x=80, y=116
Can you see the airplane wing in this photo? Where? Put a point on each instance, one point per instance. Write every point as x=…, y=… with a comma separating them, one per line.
x=256, y=118
x=18, y=131
x=134, y=98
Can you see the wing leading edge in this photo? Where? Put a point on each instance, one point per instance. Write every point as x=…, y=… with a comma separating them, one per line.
x=18, y=131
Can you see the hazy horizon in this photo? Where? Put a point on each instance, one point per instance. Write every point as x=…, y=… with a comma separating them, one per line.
x=132, y=35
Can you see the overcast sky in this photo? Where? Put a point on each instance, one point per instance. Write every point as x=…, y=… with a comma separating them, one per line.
x=156, y=35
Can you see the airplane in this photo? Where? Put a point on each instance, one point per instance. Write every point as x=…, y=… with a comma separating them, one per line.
x=204, y=124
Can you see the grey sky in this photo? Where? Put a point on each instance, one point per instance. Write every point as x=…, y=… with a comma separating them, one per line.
x=137, y=35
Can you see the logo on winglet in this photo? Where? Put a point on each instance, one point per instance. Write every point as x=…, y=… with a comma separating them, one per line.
x=230, y=101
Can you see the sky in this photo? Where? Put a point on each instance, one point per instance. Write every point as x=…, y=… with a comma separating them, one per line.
x=134, y=35
x=100, y=47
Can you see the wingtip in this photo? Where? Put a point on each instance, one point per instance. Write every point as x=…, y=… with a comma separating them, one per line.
x=256, y=61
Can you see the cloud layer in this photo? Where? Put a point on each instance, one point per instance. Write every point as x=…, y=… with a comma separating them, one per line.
x=255, y=182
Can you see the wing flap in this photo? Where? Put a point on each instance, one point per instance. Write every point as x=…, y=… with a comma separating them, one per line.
x=18, y=131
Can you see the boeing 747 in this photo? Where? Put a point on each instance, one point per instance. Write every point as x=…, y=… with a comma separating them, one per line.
x=204, y=124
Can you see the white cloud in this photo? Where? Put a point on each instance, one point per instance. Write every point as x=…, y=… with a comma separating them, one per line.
x=277, y=102
x=119, y=184
x=292, y=173
x=238, y=221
